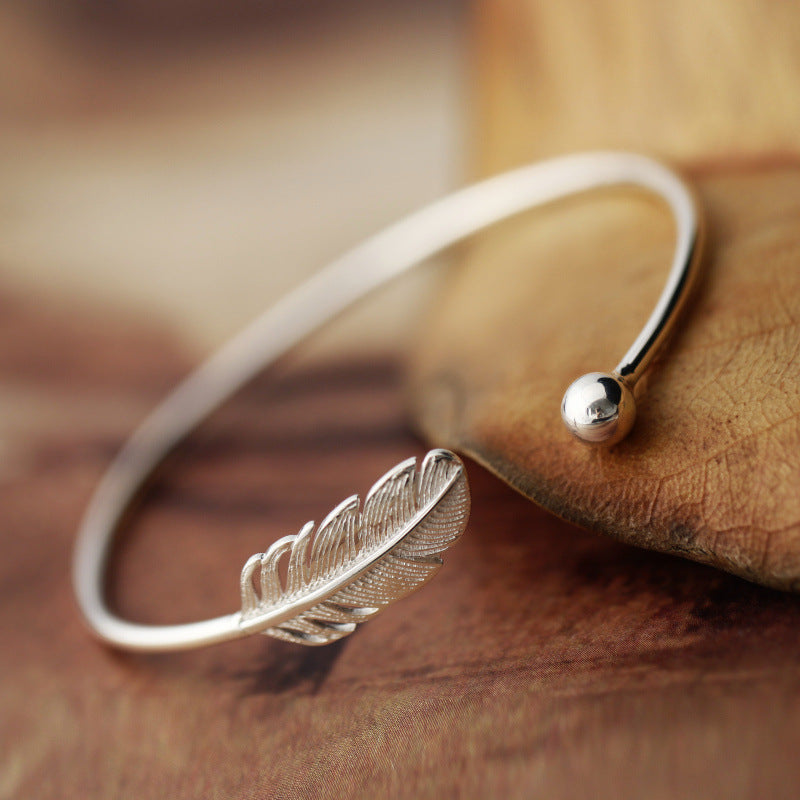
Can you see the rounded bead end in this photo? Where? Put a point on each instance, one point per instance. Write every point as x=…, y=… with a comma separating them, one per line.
x=598, y=408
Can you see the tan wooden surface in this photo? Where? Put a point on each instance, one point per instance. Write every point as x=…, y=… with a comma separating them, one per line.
x=541, y=662
x=683, y=80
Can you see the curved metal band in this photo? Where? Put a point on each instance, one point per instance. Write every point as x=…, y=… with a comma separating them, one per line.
x=315, y=302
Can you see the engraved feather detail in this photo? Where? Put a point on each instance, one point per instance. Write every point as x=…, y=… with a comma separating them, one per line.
x=358, y=560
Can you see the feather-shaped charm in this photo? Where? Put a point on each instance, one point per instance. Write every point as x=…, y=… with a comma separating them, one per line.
x=359, y=560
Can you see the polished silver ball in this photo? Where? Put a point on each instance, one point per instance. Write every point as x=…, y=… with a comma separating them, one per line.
x=598, y=408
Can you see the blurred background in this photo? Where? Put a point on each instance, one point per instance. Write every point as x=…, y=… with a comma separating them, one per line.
x=191, y=161
x=178, y=165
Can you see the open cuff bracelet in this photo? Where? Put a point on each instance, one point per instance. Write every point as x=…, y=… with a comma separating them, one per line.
x=364, y=556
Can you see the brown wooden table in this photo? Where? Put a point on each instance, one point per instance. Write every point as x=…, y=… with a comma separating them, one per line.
x=543, y=661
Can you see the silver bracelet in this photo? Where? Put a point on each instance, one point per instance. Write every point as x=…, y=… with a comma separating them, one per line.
x=361, y=558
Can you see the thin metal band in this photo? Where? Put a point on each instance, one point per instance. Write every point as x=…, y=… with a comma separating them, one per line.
x=318, y=300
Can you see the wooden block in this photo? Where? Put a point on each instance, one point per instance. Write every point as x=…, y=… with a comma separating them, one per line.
x=683, y=80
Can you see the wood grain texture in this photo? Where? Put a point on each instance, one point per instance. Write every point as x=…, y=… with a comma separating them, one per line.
x=712, y=469
x=542, y=660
